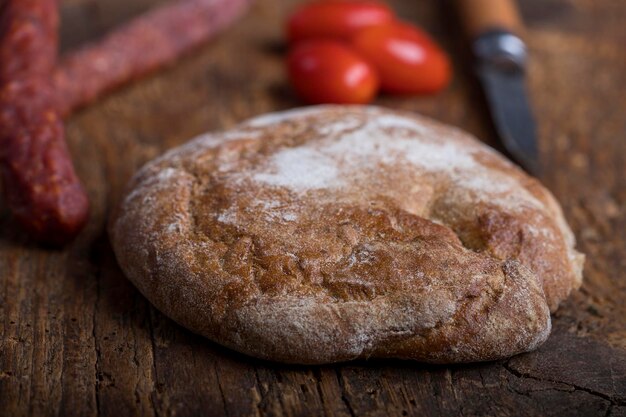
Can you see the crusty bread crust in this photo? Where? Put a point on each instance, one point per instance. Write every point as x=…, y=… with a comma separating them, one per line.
x=332, y=233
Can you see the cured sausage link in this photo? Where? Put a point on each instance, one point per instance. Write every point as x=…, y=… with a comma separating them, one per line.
x=142, y=45
x=40, y=184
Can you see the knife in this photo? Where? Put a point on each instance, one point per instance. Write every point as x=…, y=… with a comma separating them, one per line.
x=494, y=28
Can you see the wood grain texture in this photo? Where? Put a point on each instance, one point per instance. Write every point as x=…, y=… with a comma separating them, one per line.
x=77, y=339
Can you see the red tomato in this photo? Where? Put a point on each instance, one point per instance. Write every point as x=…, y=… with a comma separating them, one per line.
x=335, y=19
x=324, y=71
x=407, y=59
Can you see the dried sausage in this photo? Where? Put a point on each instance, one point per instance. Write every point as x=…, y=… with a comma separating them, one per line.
x=40, y=183
x=144, y=44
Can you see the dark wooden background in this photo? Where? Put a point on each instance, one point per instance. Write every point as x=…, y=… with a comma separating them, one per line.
x=77, y=339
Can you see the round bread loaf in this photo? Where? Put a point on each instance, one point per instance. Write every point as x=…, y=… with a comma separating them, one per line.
x=331, y=233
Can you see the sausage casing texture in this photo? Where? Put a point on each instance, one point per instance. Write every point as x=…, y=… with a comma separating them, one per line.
x=40, y=184
x=140, y=46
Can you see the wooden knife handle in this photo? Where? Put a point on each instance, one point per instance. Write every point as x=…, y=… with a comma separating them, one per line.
x=480, y=16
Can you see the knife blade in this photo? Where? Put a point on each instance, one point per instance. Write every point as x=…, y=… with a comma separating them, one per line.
x=501, y=61
x=501, y=58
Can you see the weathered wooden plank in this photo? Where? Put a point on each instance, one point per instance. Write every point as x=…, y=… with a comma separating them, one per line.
x=77, y=339
x=123, y=342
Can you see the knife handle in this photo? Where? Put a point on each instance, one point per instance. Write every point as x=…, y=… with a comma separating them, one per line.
x=481, y=16
x=494, y=27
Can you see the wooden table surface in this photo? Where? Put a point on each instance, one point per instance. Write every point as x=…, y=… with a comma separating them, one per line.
x=76, y=338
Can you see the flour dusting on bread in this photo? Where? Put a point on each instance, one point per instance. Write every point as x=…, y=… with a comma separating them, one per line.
x=349, y=147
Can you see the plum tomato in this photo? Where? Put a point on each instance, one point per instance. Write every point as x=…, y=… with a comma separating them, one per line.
x=335, y=19
x=408, y=61
x=326, y=71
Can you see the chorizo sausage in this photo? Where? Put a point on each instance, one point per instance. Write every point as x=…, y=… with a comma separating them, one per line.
x=142, y=45
x=40, y=184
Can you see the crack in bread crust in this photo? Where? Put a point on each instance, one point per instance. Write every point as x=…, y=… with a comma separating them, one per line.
x=333, y=233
